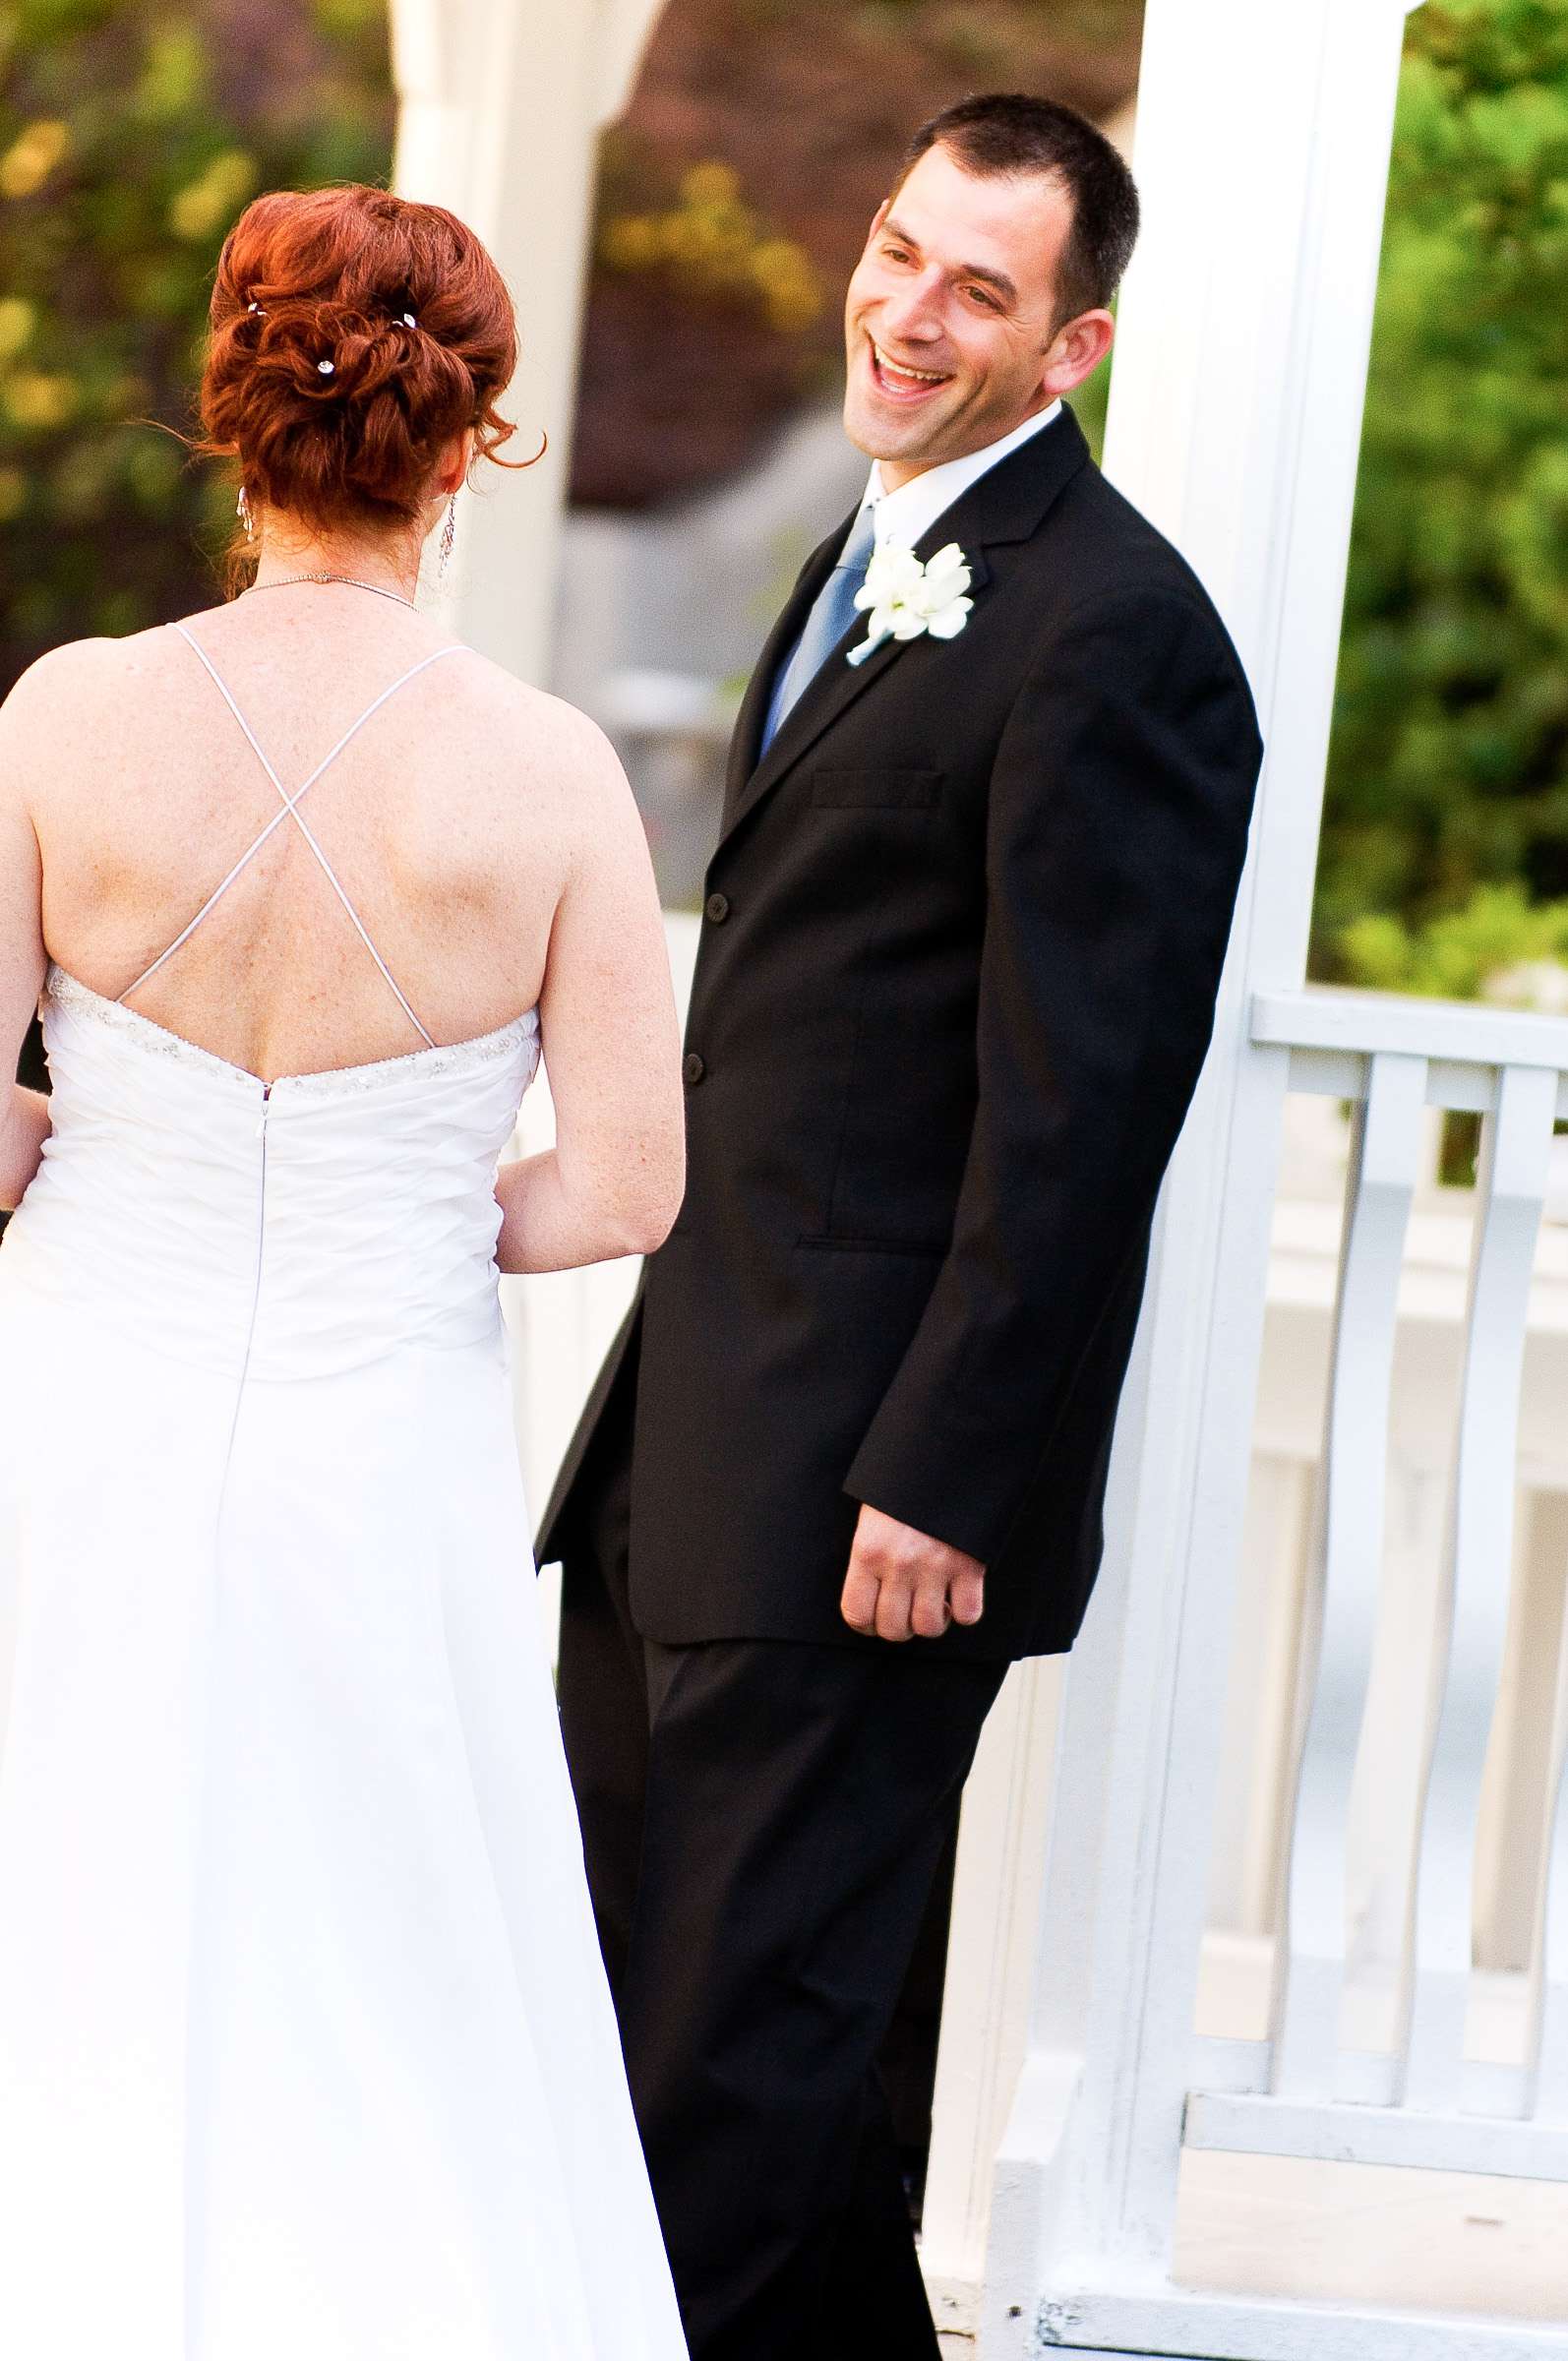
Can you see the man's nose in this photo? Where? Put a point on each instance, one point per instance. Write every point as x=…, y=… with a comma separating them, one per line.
x=911, y=312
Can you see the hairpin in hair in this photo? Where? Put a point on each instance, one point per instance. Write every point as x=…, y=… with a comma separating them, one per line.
x=326, y=367
x=254, y=306
x=409, y=321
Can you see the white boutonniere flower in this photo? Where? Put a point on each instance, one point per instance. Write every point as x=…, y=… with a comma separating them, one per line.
x=905, y=597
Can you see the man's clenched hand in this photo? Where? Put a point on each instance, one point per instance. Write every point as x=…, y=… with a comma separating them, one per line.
x=902, y=1585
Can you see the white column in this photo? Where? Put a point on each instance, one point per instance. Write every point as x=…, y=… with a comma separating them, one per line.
x=501, y=103
x=1262, y=149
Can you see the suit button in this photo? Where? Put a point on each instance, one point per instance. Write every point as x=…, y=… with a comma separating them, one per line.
x=718, y=908
x=693, y=1067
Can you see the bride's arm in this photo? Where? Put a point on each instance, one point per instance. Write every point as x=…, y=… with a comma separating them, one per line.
x=612, y=1183
x=24, y=1113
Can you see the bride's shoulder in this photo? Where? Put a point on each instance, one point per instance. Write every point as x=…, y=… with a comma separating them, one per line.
x=52, y=722
x=536, y=713
x=83, y=667
x=547, y=733
x=58, y=691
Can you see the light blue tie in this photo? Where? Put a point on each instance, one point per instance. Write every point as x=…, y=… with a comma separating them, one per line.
x=833, y=612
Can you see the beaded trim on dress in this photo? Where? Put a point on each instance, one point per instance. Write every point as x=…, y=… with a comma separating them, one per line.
x=69, y=992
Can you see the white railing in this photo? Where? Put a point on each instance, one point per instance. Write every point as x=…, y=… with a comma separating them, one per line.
x=1421, y=2102
x=1345, y=2071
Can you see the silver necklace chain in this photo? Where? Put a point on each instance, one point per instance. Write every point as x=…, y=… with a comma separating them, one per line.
x=285, y=581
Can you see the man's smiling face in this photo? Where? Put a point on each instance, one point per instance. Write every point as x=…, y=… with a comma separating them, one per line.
x=951, y=319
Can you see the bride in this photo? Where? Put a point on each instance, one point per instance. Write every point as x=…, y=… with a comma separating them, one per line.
x=305, y=2045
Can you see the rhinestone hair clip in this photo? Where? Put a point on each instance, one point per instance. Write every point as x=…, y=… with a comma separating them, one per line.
x=328, y=368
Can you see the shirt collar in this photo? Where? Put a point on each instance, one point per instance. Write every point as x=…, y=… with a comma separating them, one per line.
x=907, y=515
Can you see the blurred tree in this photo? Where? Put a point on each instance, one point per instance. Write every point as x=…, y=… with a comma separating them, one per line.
x=130, y=134
x=1498, y=944
x=1449, y=767
x=708, y=244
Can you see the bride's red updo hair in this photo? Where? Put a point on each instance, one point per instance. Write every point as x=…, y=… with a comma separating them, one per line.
x=354, y=334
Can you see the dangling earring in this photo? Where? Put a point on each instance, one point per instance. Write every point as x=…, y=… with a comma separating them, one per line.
x=448, y=535
x=242, y=509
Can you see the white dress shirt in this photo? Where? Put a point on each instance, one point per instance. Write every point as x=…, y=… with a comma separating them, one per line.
x=905, y=516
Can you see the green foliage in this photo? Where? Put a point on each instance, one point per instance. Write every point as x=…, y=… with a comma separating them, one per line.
x=706, y=243
x=130, y=134
x=1498, y=942
x=1090, y=402
x=1449, y=769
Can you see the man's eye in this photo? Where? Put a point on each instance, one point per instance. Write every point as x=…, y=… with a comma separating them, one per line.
x=980, y=295
x=896, y=253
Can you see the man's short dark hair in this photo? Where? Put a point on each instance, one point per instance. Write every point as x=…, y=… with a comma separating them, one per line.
x=1005, y=134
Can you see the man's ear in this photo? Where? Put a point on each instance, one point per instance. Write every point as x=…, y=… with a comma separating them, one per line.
x=878, y=218
x=1077, y=351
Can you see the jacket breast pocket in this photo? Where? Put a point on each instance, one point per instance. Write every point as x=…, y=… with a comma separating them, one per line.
x=879, y=789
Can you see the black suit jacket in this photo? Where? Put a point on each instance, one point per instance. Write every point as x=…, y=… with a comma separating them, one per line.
x=963, y=935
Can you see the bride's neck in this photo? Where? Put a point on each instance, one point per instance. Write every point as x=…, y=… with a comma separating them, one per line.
x=391, y=561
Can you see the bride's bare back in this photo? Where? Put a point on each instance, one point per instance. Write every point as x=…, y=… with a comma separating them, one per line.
x=476, y=852
x=453, y=818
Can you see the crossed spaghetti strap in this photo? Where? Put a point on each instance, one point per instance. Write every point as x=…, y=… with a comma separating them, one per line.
x=290, y=810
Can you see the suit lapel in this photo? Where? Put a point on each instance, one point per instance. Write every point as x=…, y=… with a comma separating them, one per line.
x=753, y=715
x=1008, y=503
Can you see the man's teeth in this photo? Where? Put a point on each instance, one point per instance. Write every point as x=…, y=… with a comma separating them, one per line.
x=918, y=377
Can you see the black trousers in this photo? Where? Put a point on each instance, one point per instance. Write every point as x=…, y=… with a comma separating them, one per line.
x=763, y=1821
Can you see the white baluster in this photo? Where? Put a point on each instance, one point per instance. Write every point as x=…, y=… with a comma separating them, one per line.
x=1546, y=2045
x=1511, y=1187
x=1348, y=1550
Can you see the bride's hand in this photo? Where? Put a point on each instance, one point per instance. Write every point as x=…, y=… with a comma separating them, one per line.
x=903, y=1585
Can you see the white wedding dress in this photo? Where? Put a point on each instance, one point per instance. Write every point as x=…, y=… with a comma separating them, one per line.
x=306, y=2050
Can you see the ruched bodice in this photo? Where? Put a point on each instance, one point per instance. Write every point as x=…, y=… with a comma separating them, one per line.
x=280, y=1232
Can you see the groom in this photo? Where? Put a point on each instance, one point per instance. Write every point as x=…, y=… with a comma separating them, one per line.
x=961, y=942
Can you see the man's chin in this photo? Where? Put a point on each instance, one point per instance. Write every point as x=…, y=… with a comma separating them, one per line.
x=902, y=441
